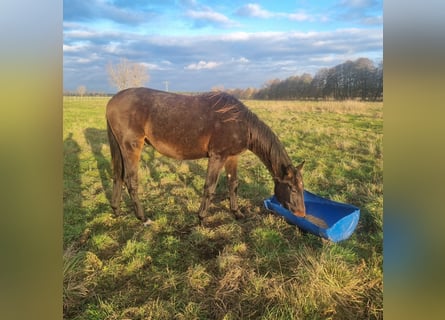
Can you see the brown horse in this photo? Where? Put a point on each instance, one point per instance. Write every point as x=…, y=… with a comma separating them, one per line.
x=212, y=125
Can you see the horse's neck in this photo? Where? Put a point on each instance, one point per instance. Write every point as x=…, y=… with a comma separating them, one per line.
x=266, y=145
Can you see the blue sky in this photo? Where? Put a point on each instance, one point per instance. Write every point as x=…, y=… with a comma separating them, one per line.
x=199, y=44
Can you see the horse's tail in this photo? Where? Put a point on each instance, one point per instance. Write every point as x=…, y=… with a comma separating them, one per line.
x=116, y=154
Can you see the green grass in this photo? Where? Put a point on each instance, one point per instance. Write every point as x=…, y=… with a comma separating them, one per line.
x=257, y=268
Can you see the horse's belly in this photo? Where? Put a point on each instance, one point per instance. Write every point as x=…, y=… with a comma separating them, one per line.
x=181, y=151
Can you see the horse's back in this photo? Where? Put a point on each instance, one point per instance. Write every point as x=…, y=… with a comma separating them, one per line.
x=133, y=101
x=179, y=126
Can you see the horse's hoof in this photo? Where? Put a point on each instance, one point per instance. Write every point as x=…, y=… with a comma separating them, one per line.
x=147, y=222
x=238, y=215
x=202, y=216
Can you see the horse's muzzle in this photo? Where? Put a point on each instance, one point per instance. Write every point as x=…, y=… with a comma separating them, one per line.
x=300, y=214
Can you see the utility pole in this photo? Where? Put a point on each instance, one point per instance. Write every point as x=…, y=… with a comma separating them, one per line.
x=166, y=85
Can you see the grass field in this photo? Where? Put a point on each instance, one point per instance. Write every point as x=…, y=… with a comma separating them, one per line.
x=257, y=268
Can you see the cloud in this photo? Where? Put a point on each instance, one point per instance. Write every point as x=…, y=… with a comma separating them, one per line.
x=256, y=11
x=203, y=65
x=299, y=16
x=324, y=59
x=207, y=16
x=161, y=66
x=204, y=16
x=74, y=48
x=241, y=60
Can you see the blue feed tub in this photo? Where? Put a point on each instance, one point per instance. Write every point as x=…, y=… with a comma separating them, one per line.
x=340, y=219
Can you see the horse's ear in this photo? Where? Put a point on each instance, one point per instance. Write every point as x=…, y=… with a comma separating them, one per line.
x=301, y=165
x=287, y=171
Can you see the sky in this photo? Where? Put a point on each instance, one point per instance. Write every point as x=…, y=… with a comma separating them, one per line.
x=196, y=45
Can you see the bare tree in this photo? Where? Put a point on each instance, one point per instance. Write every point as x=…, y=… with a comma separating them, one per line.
x=127, y=74
x=81, y=90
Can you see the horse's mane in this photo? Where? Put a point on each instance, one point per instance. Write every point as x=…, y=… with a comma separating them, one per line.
x=266, y=145
x=227, y=106
x=262, y=140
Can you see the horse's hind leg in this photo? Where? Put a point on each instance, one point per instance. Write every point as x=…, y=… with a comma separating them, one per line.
x=118, y=170
x=117, y=194
x=133, y=151
x=232, y=178
x=214, y=168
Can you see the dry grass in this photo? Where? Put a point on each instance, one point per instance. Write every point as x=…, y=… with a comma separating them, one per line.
x=79, y=272
x=350, y=107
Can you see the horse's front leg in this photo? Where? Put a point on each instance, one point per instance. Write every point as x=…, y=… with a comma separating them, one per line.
x=214, y=167
x=232, y=178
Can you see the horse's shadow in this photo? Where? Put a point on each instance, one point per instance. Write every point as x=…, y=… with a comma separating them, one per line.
x=150, y=163
x=97, y=139
x=72, y=191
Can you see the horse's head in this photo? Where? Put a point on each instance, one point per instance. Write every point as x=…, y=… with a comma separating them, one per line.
x=289, y=189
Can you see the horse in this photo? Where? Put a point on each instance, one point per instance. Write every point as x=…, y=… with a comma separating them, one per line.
x=212, y=125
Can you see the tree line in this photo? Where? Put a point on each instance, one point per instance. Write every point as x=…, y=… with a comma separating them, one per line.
x=359, y=79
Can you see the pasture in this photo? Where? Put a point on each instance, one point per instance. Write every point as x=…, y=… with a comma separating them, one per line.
x=257, y=268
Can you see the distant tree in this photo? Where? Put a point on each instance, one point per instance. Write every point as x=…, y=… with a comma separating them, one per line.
x=248, y=93
x=365, y=71
x=81, y=90
x=127, y=74
x=217, y=88
x=378, y=92
x=318, y=83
